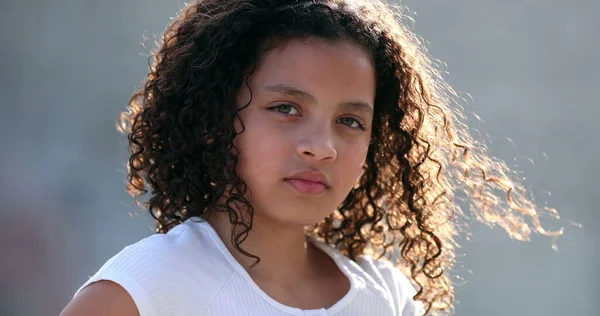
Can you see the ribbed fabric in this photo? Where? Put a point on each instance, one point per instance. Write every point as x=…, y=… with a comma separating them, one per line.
x=189, y=271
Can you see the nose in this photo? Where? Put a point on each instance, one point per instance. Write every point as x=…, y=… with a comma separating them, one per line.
x=317, y=145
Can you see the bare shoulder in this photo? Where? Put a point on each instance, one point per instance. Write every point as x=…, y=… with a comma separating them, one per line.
x=101, y=298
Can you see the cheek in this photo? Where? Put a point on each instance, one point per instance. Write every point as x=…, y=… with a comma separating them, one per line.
x=258, y=156
x=352, y=161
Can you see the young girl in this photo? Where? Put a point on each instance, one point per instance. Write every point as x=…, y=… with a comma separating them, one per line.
x=303, y=157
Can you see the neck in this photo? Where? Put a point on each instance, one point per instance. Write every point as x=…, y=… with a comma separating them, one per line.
x=285, y=254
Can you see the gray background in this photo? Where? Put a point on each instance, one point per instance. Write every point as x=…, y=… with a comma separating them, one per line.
x=68, y=67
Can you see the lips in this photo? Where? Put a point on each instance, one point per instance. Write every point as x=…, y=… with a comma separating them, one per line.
x=309, y=182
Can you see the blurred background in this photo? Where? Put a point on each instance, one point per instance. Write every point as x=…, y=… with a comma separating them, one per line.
x=67, y=69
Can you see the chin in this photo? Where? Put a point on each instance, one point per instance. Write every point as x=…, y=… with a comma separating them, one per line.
x=298, y=217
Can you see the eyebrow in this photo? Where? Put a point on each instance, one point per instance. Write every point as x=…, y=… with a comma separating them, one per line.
x=295, y=92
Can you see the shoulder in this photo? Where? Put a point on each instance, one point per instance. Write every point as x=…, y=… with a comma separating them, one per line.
x=161, y=271
x=394, y=282
x=102, y=299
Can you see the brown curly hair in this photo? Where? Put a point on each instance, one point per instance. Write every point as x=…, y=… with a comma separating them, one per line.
x=420, y=162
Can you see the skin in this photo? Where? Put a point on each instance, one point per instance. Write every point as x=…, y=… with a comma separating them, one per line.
x=311, y=109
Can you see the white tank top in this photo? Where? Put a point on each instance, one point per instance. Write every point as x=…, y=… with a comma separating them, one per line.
x=189, y=271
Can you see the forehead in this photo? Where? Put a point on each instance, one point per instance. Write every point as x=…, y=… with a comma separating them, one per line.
x=319, y=67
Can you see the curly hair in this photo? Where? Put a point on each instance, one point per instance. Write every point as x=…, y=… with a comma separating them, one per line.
x=422, y=158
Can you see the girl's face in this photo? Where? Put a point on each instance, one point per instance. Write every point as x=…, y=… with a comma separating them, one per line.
x=306, y=130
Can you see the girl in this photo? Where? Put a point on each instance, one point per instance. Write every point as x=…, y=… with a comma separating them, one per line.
x=302, y=158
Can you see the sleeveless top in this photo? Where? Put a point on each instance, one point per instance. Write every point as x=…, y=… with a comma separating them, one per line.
x=189, y=271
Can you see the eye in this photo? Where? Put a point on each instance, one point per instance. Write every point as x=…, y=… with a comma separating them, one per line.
x=351, y=122
x=286, y=109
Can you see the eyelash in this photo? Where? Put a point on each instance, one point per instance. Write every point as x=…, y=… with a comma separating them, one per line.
x=275, y=108
x=360, y=125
